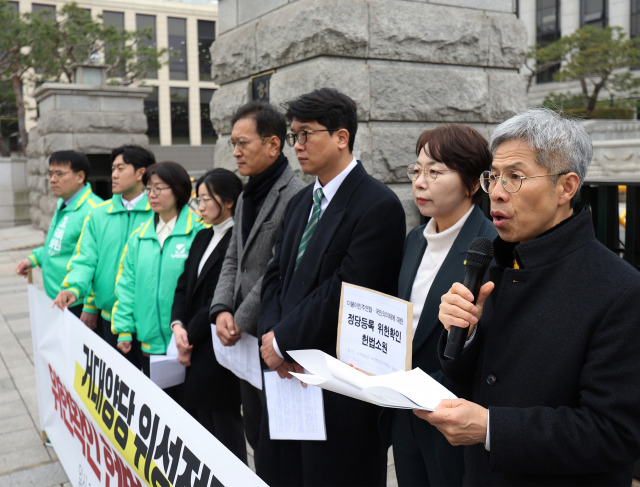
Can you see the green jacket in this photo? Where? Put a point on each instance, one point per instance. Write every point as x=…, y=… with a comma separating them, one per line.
x=95, y=263
x=146, y=282
x=62, y=237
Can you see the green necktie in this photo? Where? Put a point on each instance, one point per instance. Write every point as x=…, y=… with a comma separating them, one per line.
x=311, y=224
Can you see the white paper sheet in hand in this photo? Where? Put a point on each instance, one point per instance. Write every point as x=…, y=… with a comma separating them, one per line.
x=243, y=358
x=412, y=389
x=165, y=370
x=295, y=412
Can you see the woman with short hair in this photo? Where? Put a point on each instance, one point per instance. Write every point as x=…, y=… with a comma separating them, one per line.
x=152, y=261
x=446, y=189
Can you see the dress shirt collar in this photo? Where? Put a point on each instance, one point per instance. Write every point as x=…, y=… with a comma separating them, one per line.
x=131, y=204
x=331, y=188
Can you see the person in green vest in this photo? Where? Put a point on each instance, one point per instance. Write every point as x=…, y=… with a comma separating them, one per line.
x=68, y=175
x=153, y=260
x=92, y=270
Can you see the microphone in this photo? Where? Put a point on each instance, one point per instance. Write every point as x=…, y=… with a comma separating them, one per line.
x=479, y=257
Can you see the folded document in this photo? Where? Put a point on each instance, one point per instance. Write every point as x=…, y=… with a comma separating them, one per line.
x=413, y=389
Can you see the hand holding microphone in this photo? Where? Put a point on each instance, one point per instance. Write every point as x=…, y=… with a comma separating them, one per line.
x=479, y=257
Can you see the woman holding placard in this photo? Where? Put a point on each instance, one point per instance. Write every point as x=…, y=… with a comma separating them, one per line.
x=446, y=188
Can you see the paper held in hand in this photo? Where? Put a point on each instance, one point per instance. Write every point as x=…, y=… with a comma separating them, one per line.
x=412, y=389
x=375, y=330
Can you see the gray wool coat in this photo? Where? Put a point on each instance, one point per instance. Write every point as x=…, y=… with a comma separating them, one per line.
x=244, y=266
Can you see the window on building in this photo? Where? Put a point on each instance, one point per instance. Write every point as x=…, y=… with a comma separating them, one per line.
x=13, y=6
x=177, y=48
x=593, y=12
x=547, y=32
x=180, y=115
x=153, y=119
x=8, y=119
x=115, y=19
x=207, y=132
x=635, y=18
x=148, y=22
x=206, y=36
x=41, y=7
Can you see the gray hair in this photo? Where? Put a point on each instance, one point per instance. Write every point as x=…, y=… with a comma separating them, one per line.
x=561, y=145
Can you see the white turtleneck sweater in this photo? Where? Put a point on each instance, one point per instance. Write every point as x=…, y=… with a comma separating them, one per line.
x=219, y=231
x=438, y=246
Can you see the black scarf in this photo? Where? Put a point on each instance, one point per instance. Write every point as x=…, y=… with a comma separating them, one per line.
x=255, y=192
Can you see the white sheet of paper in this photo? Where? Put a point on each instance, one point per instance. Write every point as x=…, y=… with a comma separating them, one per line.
x=165, y=370
x=243, y=358
x=295, y=412
x=413, y=389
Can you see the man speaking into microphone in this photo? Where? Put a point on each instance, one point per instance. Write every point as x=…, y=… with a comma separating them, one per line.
x=552, y=349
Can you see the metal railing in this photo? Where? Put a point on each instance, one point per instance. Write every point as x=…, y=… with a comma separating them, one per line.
x=608, y=198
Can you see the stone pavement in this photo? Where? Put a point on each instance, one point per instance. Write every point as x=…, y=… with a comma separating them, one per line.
x=24, y=460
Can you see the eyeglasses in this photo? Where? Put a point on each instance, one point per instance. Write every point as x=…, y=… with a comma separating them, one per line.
x=302, y=135
x=511, y=180
x=414, y=171
x=58, y=174
x=156, y=190
x=203, y=200
x=242, y=143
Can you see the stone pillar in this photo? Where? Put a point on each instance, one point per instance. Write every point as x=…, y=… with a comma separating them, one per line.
x=409, y=65
x=14, y=194
x=89, y=119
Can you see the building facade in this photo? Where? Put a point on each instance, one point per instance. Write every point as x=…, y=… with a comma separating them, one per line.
x=177, y=108
x=548, y=20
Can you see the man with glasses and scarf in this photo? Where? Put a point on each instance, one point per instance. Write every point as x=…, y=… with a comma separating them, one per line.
x=257, y=139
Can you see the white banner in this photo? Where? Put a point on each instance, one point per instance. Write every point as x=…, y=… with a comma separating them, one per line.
x=109, y=424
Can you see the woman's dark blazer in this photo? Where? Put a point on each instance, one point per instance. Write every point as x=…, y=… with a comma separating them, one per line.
x=427, y=335
x=208, y=385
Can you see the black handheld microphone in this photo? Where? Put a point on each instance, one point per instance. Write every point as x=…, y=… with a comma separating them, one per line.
x=479, y=257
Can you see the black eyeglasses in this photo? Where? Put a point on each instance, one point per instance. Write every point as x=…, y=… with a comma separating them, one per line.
x=302, y=135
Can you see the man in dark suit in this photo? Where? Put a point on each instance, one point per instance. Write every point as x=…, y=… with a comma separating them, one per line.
x=552, y=348
x=257, y=140
x=347, y=227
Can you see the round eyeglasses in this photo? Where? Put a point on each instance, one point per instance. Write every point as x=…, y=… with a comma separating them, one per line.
x=302, y=135
x=430, y=173
x=511, y=180
x=156, y=190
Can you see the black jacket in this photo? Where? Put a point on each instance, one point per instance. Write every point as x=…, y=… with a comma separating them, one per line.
x=208, y=385
x=555, y=359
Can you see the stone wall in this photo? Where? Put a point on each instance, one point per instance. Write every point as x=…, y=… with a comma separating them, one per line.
x=89, y=119
x=616, y=148
x=409, y=65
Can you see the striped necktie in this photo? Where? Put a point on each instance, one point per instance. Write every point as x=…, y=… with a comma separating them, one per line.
x=311, y=224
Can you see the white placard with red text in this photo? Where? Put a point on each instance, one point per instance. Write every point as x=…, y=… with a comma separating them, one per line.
x=109, y=424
